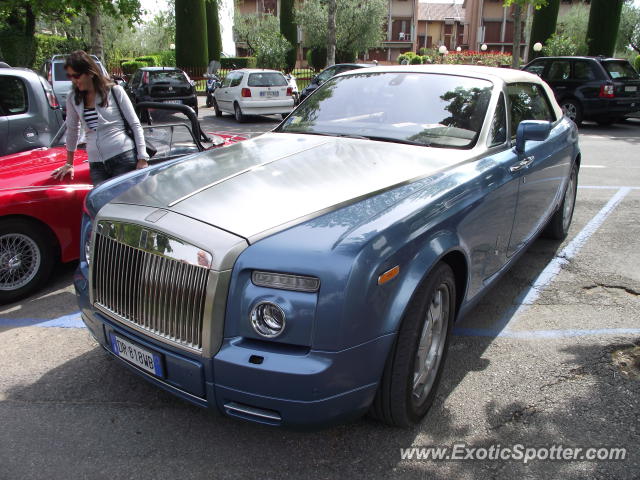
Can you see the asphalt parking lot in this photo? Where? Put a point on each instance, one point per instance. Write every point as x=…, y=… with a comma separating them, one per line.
x=543, y=361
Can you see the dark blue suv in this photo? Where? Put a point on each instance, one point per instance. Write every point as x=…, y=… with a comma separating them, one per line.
x=591, y=88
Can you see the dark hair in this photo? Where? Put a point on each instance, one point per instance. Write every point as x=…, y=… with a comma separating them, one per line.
x=80, y=62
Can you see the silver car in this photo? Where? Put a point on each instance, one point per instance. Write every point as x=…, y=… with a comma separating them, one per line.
x=53, y=70
x=29, y=111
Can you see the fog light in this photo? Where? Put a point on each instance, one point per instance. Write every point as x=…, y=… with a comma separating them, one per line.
x=267, y=319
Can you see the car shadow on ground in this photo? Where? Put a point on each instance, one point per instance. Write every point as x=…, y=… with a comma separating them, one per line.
x=125, y=406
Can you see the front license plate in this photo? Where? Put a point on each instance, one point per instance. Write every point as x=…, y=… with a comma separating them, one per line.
x=173, y=101
x=630, y=89
x=269, y=93
x=141, y=357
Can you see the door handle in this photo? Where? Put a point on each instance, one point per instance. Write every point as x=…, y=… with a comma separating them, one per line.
x=522, y=164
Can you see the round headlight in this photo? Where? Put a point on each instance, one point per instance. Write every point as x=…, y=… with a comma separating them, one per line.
x=267, y=319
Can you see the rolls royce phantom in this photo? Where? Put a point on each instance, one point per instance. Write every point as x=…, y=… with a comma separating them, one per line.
x=313, y=273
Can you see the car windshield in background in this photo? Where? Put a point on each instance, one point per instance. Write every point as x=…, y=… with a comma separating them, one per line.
x=59, y=73
x=266, y=79
x=621, y=70
x=416, y=108
x=174, y=75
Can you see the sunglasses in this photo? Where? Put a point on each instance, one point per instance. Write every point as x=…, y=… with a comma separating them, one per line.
x=74, y=75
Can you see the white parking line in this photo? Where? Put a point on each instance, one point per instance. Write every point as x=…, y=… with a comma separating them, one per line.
x=530, y=295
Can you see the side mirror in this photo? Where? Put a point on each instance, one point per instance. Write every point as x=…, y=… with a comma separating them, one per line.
x=537, y=130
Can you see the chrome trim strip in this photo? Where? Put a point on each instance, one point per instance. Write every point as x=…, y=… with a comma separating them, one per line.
x=241, y=172
x=253, y=411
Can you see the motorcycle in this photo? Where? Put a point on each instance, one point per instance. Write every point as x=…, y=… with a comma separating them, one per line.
x=213, y=81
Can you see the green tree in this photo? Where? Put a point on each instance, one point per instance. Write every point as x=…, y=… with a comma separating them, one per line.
x=604, y=20
x=573, y=26
x=289, y=30
x=261, y=34
x=517, y=24
x=191, y=34
x=359, y=25
x=629, y=32
x=543, y=25
x=214, y=37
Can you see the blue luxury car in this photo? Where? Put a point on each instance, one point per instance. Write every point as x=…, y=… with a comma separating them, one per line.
x=314, y=273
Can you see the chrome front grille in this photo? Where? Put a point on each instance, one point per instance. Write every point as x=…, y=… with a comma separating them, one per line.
x=150, y=281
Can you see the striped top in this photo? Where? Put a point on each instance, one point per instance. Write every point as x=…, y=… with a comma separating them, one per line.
x=91, y=118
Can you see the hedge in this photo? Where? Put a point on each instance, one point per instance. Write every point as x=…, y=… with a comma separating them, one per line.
x=150, y=60
x=32, y=52
x=131, y=67
x=238, y=62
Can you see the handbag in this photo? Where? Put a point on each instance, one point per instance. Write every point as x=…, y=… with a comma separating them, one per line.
x=151, y=150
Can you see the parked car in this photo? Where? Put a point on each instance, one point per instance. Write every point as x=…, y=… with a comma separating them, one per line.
x=40, y=216
x=163, y=85
x=53, y=70
x=253, y=92
x=326, y=74
x=29, y=112
x=314, y=272
x=591, y=88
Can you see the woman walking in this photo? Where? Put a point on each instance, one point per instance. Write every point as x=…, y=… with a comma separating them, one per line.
x=104, y=111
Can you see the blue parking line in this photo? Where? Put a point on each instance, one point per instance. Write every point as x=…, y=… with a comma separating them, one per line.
x=66, y=321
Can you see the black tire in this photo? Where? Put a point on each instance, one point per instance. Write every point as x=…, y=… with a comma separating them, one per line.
x=572, y=109
x=240, y=118
x=216, y=108
x=399, y=401
x=559, y=224
x=209, y=101
x=28, y=253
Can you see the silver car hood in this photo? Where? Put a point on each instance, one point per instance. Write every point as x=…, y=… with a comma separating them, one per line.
x=276, y=180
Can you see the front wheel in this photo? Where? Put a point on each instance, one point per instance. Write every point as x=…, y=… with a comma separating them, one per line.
x=216, y=108
x=558, y=226
x=209, y=101
x=27, y=258
x=414, y=366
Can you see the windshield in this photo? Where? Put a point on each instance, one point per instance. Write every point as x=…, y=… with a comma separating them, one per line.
x=266, y=79
x=417, y=108
x=171, y=75
x=621, y=70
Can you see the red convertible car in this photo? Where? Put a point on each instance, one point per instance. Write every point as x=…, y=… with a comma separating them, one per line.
x=40, y=216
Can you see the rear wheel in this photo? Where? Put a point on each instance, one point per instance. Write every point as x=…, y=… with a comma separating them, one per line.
x=27, y=257
x=572, y=109
x=238, y=113
x=558, y=226
x=216, y=108
x=414, y=366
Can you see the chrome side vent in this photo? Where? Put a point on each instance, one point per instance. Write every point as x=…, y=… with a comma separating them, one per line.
x=151, y=281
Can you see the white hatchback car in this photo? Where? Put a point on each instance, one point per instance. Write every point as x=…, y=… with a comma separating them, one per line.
x=253, y=92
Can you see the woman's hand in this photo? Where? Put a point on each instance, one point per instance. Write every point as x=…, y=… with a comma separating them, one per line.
x=142, y=163
x=59, y=173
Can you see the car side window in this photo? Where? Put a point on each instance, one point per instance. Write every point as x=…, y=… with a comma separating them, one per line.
x=559, y=70
x=227, y=80
x=235, y=81
x=537, y=68
x=528, y=101
x=498, y=132
x=326, y=75
x=136, y=79
x=13, y=96
x=583, y=70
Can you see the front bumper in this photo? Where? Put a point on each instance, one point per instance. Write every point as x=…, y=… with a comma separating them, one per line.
x=258, y=381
